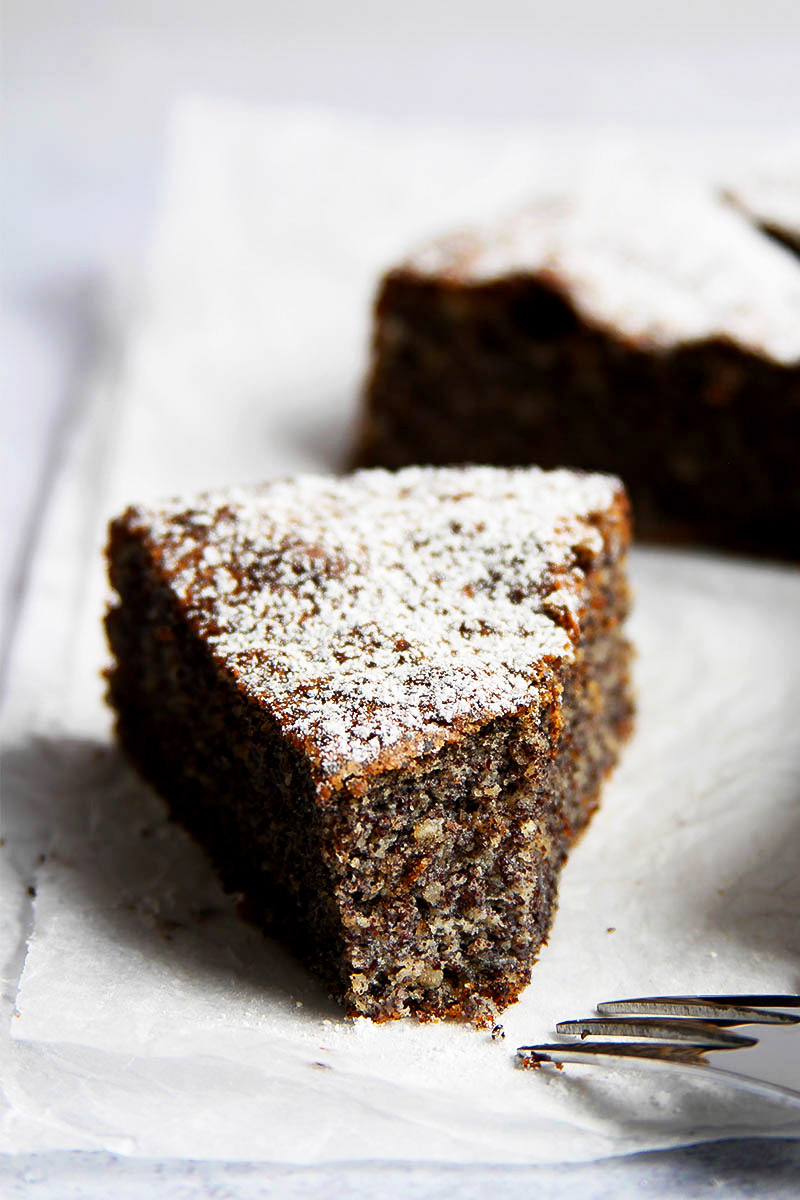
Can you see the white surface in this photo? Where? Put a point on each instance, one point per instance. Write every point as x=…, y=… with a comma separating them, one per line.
x=150, y=1021
x=723, y=1169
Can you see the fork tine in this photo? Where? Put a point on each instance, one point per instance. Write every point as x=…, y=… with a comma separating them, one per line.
x=556, y=1052
x=719, y=1009
x=699, y=1033
x=686, y=1058
x=756, y=1001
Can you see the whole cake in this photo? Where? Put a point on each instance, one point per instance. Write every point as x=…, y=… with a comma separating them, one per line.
x=642, y=327
x=385, y=703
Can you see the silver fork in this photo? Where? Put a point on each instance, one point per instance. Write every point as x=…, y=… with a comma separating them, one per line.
x=677, y=1032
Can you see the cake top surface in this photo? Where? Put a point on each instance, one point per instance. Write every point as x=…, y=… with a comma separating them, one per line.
x=375, y=615
x=657, y=260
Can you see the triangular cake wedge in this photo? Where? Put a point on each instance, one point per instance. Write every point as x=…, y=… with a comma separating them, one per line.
x=641, y=325
x=385, y=703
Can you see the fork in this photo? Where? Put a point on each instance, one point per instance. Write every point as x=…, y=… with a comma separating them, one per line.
x=677, y=1032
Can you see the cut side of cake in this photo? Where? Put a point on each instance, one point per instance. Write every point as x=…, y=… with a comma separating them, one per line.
x=641, y=326
x=385, y=704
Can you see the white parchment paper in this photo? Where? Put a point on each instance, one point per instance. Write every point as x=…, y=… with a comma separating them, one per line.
x=144, y=1016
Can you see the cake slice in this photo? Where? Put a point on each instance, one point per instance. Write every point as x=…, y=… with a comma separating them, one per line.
x=385, y=704
x=641, y=326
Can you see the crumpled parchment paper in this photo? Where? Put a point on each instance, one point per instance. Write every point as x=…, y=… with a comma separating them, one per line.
x=144, y=1017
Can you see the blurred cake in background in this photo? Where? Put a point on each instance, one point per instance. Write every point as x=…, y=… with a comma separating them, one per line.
x=645, y=325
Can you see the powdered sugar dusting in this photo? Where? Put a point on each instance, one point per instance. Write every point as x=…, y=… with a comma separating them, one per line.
x=381, y=610
x=770, y=195
x=655, y=259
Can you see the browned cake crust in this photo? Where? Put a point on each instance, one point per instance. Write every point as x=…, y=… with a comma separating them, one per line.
x=400, y=823
x=664, y=347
